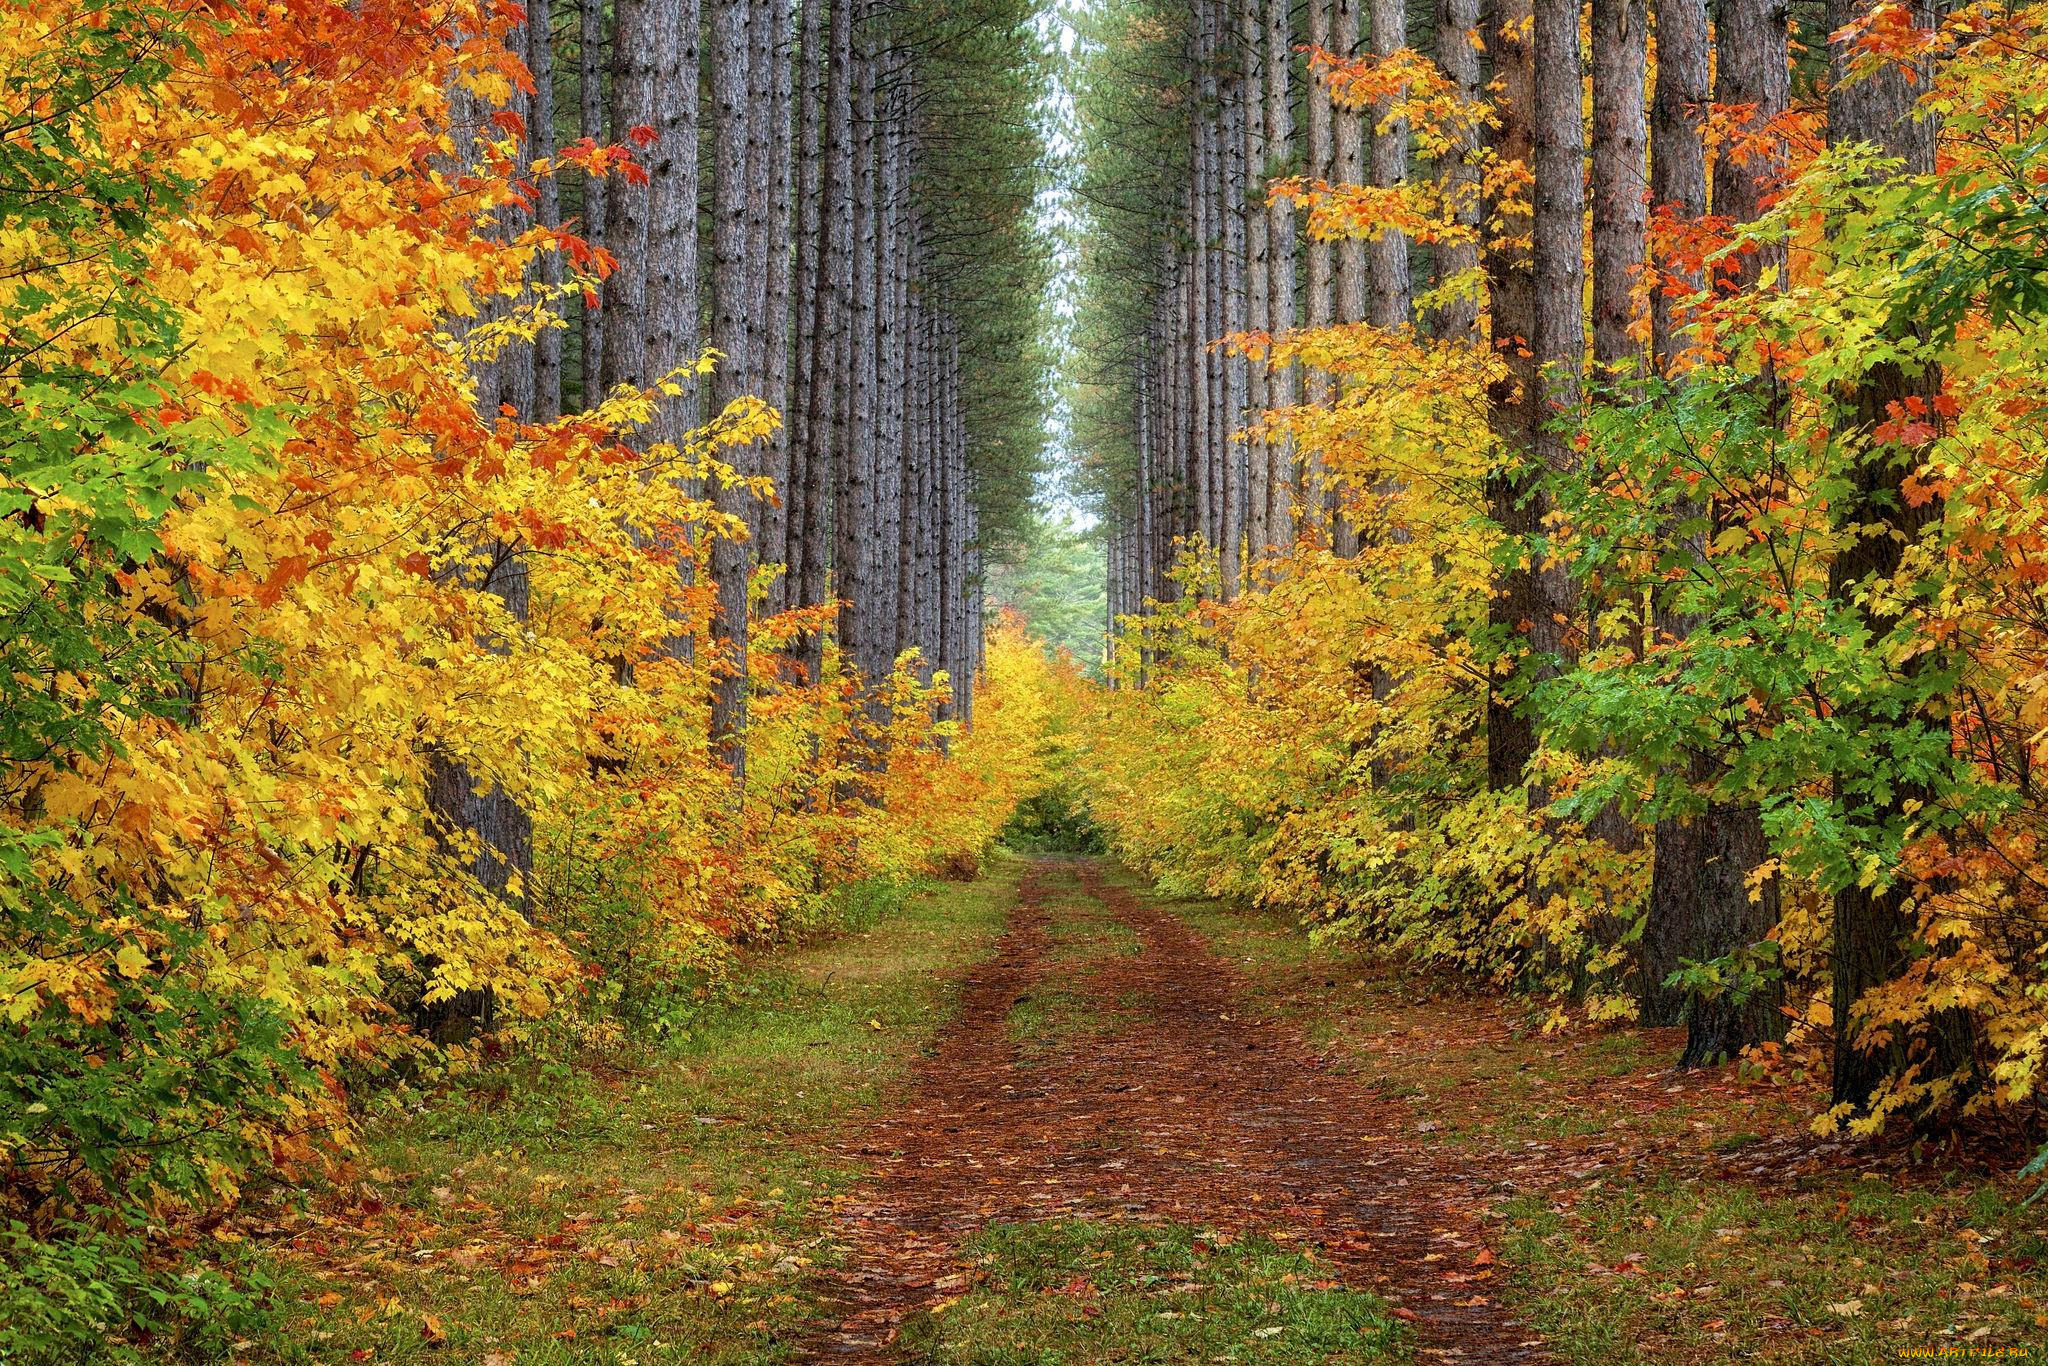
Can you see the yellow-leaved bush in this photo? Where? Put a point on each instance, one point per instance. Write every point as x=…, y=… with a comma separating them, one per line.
x=1797, y=598
x=270, y=575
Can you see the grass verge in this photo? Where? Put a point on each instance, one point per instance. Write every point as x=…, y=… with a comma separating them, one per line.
x=1648, y=1215
x=1051, y=1294
x=669, y=1205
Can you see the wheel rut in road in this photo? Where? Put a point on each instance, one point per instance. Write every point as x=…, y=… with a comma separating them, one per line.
x=1169, y=1100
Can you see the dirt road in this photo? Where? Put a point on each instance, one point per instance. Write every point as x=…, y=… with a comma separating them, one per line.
x=1103, y=1066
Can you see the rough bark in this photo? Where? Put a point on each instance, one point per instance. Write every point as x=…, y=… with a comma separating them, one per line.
x=1620, y=207
x=671, y=265
x=1281, y=250
x=628, y=205
x=1752, y=73
x=1387, y=255
x=1700, y=904
x=1511, y=400
x=774, y=16
x=1456, y=23
x=540, y=60
x=1258, y=287
x=1874, y=927
x=1678, y=174
x=732, y=293
x=590, y=60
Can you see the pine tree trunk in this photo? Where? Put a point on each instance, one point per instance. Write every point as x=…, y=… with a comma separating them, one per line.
x=590, y=59
x=1752, y=68
x=1387, y=257
x=1678, y=174
x=854, y=506
x=830, y=361
x=1510, y=738
x=1348, y=137
x=671, y=264
x=1281, y=249
x=1231, y=172
x=1558, y=256
x=732, y=295
x=1457, y=24
x=774, y=264
x=1875, y=929
x=1700, y=904
x=1258, y=285
x=540, y=60
x=804, y=378
x=628, y=205
x=1620, y=214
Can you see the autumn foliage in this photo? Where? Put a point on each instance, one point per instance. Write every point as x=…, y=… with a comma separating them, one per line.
x=259, y=551
x=1756, y=624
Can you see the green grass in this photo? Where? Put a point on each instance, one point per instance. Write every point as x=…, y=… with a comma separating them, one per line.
x=1049, y=1294
x=1049, y=1018
x=665, y=1206
x=1835, y=1272
x=1648, y=1225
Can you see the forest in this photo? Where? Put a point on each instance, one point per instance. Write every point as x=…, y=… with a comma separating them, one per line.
x=1022, y=682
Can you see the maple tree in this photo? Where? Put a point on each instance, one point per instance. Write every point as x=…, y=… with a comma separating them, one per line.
x=357, y=702
x=1661, y=691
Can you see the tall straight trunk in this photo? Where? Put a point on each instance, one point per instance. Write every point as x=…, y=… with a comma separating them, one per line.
x=1875, y=930
x=804, y=374
x=1142, y=400
x=1320, y=309
x=953, y=574
x=590, y=67
x=629, y=205
x=671, y=266
x=1232, y=168
x=1457, y=24
x=960, y=617
x=1280, y=249
x=1390, y=302
x=1258, y=289
x=1684, y=846
x=540, y=129
x=1557, y=238
x=732, y=295
x=909, y=531
x=823, y=429
x=1678, y=158
x=1700, y=903
x=512, y=372
x=775, y=17
x=1209, y=286
x=1620, y=219
x=1513, y=398
x=1620, y=213
x=759, y=16
x=480, y=831
x=1753, y=70
x=854, y=506
x=1387, y=257
x=1194, y=288
x=889, y=349
x=476, y=824
x=1348, y=136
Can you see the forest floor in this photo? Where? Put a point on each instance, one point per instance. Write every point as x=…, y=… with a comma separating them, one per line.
x=1052, y=1118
